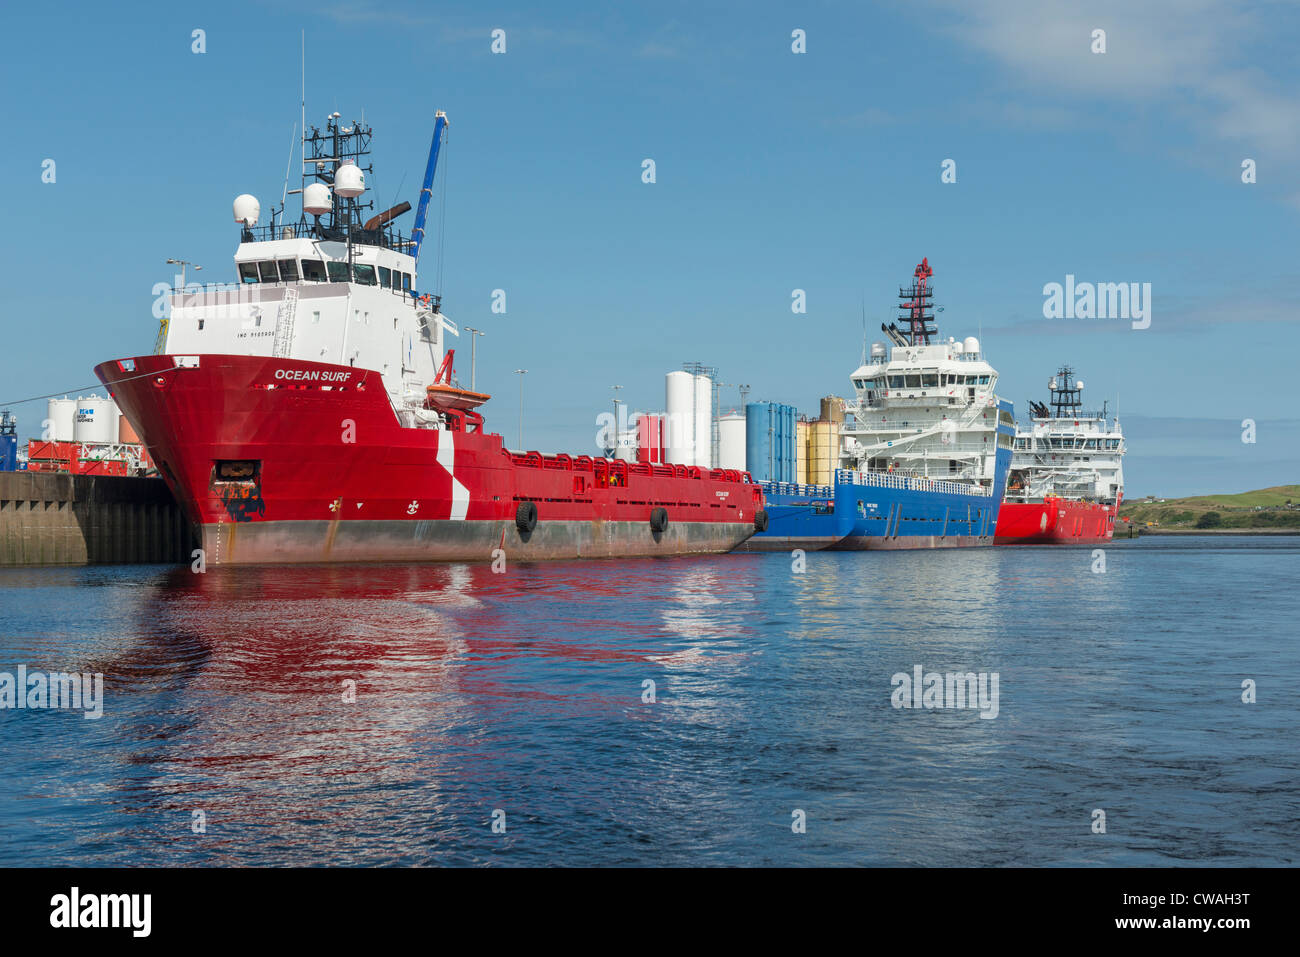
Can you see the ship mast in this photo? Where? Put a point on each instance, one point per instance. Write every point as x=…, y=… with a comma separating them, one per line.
x=1067, y=395
x=916, y=306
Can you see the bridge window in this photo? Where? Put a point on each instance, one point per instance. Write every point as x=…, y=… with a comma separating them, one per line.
x=913, y=382
x=984, y=380
x=268, y=271
x=288, y=270
x=365, y=274
x=338, y=272
x=313, y=270
x=895, y=381
x=930, y=380
x=248, y=272
x=406, y=280
x=385, y=277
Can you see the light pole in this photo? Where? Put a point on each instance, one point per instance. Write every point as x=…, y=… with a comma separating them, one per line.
x=473, y=341
x=183, y=263
x=521, y=373
x=613, y=439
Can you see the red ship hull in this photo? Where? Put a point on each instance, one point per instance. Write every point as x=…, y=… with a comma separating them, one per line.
x=282, y=460
x=1055, y=521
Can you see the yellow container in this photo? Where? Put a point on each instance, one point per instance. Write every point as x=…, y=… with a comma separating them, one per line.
x=801, y=451
x=823, y=452
x=833, y=410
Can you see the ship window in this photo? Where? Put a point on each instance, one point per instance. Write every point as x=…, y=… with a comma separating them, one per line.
x=385, y=277
x=365, y=274
x=248, y=272
x=914, y=382
x=268, y=271
x=338, y=272
x=313, y=270
x=406, y=280
x=984, y=380
x=895, y=381
x=289, y=270
x=930, y=380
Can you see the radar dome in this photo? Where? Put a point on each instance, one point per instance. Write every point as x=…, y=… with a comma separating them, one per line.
x=349, y=181
x=958, y=348
x=877, y=350
x=972, y=345
x=316, y=200
x=247, y=209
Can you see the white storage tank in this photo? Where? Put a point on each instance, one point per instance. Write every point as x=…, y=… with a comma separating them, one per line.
x=625, y=445
x=96, y=420
x=679, y=423
x=703, y=421
x=62, y=416
x=731, y=441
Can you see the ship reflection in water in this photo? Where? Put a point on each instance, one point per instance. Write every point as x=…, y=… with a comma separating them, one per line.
x=655, y=711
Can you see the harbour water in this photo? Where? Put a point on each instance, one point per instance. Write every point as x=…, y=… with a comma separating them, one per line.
x=522, y=699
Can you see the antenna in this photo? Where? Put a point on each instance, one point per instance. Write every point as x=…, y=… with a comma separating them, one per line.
x=288, y=166
x=303, y=153
x=864, y=328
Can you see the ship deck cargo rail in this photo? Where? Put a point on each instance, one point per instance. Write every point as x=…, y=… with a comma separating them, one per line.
x=913, y=483
x=618, y=470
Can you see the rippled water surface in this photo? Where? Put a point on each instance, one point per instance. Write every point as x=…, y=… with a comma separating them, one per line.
x=523, y=693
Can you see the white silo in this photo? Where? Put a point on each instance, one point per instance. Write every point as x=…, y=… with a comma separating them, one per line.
x=96, y=420
x=703, y=421
x=62, y=417
x=679, y=423
x=731, y=441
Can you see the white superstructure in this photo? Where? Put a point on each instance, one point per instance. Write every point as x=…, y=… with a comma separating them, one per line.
x=929, y=411
x=1066, y=451
x=341, y=291
x=926, y=409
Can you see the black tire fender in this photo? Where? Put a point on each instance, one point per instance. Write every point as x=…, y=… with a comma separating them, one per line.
x=760, y=520
x=526, y=517
x=659, y=519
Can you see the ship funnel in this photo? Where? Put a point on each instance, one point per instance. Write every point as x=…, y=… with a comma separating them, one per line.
x=349, y=181
x=247, y=209
x=316, y=200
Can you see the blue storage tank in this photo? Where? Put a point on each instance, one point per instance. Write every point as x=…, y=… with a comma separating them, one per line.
x=770, y=441
x=8, y=443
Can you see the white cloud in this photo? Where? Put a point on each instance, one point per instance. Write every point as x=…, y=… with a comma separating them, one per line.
x=1196, y=59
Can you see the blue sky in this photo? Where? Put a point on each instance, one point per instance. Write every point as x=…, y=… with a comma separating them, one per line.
x=775, y=171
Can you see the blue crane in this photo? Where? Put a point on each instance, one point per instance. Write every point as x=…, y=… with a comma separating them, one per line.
x=426, y=191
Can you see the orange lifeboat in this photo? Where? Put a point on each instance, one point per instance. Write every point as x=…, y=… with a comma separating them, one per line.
x=443, y=395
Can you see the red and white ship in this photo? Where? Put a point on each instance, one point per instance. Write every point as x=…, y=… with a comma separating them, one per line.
x=1067, y=474
x=309, y=412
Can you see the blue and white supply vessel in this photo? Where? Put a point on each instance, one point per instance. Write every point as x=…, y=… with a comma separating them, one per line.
x=924, y=453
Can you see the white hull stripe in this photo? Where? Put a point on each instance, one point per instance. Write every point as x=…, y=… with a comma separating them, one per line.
x=447, y=459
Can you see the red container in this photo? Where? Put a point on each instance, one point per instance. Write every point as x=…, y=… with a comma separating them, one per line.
x=649, y=439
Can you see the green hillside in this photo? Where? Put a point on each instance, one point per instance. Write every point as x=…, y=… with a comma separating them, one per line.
x=1277, y=507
